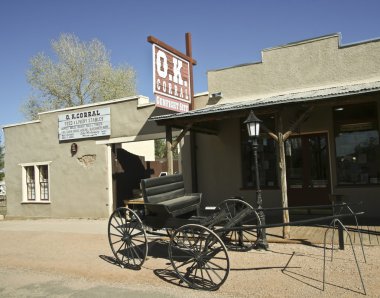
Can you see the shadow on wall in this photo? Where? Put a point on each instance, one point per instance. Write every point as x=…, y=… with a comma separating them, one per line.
x=129, y=171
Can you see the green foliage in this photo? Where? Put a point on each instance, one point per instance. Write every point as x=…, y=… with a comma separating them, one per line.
x=80, y=74
x=160, y=149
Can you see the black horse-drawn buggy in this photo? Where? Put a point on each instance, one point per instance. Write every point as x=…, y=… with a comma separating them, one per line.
x=197, y=250
x=198, y=246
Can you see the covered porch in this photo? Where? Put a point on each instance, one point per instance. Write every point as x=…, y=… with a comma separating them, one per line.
x=315, y=144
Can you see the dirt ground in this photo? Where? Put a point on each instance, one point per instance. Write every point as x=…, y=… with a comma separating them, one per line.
x=73, y=259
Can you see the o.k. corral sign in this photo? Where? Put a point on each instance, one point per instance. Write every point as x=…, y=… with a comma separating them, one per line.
x=84, y=124
x=171, y=80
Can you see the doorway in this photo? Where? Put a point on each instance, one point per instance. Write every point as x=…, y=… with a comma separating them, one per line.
x=308, y=169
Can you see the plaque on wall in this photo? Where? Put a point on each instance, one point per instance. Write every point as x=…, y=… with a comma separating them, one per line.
x=84, y=124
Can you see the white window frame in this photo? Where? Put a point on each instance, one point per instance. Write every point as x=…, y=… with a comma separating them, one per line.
x=36, y=166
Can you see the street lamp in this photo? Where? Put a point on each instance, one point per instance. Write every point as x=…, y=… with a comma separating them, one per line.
x=253, y=126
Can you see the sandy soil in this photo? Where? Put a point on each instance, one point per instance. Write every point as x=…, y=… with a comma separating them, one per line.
x=85, y=260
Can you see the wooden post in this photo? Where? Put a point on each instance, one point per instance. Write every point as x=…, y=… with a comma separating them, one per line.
x=194, y=171
x=280, y=138
x=169, y=151
x=284, y=186
x=189, y=53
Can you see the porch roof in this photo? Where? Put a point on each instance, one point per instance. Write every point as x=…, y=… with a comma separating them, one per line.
x=272, y=101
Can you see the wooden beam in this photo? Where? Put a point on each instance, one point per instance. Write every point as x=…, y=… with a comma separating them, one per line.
x=269, y=132
x=156, y=41
x=301, y=119
x=181, y=135
x=182, y=122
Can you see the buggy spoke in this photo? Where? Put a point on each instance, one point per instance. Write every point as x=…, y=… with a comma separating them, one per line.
x=185, y=263
x=194, y=269
x=212, y=281
x=241, y=212
x=123, y=243
x=207, y=265
x=116, y=241
x=132, y=251
x=121, y=219
x=117, y=229
x=122, y=258
x=116, y=235
x=138, y=247
x=216, y=265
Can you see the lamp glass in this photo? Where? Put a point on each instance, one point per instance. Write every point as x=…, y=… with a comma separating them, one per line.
x=253, y=129
x=253, y=125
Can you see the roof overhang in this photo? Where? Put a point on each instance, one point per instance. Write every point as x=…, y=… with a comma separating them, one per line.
x=240, y=108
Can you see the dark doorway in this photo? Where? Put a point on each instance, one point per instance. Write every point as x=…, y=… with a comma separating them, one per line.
x=307, y=168
x=128, y=170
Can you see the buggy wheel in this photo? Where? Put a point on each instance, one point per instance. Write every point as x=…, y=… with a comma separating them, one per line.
x=170, y=233
x=241, y=240
x=199, y=257
x=127, y=238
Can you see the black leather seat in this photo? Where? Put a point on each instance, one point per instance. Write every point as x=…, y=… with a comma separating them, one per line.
x=169, y=193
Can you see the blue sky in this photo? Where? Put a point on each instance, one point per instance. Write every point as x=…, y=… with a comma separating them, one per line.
x=224, y=33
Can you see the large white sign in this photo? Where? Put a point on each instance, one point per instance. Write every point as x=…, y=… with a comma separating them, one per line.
x=171, y=80
x=85, y=124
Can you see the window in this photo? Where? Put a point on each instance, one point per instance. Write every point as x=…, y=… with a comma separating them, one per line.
x=35, y=182
x=307, y=161
x=266, y=155
x=357, y=144
x=30, y=184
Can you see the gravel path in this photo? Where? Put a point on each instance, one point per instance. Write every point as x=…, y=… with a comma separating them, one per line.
x=63, y=261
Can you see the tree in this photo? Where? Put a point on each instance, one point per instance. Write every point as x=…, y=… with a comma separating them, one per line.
x=160, y=149
x=81, y=73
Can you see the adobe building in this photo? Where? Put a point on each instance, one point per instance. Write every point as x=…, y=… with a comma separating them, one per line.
x=79, y=162
x=320, y=103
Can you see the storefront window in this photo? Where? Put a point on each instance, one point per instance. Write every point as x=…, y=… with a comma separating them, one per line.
x=267, y=157
x=307, y=161
x=357, y=144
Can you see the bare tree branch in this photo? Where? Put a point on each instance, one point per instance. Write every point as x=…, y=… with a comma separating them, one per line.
x=81, y=73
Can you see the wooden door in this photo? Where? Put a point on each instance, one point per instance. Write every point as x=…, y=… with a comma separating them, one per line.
x=308, y=169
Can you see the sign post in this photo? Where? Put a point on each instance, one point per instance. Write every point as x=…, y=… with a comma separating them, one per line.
x=172, y=82
x=172, y=76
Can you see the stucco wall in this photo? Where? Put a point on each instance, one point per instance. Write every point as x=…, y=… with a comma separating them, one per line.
x=314, y=63
x=218, y=163
x=77, y=189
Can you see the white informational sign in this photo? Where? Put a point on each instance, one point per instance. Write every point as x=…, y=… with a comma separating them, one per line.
x=85, y=124
x=171, y=80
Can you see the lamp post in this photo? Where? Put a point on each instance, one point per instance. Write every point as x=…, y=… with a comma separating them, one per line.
x=253, y=126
